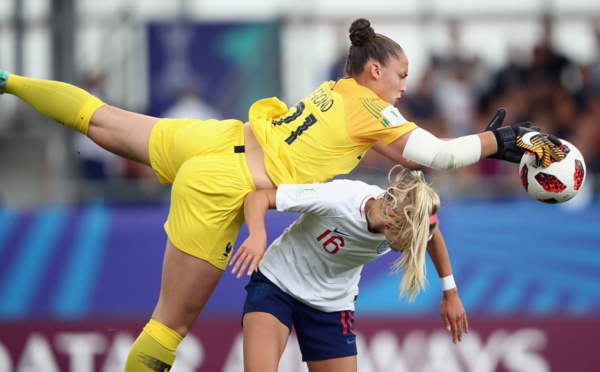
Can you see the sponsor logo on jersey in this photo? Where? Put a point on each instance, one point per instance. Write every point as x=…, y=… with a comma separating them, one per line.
x=350, y=341
x=308, y=192
x=392, y=117
x=383, y=247
x=336, y=231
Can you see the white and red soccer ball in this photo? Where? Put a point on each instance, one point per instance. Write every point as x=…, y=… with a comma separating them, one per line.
x=557, y=183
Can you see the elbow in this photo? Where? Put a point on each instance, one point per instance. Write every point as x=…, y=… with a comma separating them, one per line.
x=444, y=159
x=422, y=147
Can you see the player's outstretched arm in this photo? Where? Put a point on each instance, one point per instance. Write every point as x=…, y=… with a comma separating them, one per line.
x=420, y=148
x=249, y=254
x=507, y=143
x=392, y=153
x=452, y=311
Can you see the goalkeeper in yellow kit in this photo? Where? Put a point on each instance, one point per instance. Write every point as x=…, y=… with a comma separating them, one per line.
x=214, y=164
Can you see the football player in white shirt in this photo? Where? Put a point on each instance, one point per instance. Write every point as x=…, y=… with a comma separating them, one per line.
x=308, y=278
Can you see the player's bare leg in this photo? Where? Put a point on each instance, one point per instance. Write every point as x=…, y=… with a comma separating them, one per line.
x=187, y=283
x=265, y=338
x=345, y=364
x=121, y=132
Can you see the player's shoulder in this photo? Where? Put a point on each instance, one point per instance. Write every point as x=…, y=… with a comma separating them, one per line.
x=343, y=182
x=350, y=196
x=349, y=88
x=364, y=101
x=345, y=187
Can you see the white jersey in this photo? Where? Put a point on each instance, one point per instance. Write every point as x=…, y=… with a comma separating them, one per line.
x=319, y=258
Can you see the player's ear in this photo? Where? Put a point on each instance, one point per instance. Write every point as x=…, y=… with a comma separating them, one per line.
x=375, y=69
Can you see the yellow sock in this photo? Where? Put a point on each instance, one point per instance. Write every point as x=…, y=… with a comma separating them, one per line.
x=65, y=103
x=154, y=349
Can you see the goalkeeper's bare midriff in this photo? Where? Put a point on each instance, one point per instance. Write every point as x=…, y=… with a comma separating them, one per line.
x=256, y=160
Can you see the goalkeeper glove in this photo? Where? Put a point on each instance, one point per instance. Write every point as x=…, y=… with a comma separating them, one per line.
x=544, y=146
x=514, y=140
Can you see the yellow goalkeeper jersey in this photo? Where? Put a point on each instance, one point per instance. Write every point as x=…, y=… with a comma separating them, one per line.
x=326, y=133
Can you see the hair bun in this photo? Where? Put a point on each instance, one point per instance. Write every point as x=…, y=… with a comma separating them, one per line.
x=361, y=32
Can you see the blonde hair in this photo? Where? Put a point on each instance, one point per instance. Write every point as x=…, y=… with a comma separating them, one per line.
x=407, y=205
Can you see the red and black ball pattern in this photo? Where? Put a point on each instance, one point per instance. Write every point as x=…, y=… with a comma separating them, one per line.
x=523, y=175
x=579, y=175
x=550, y=183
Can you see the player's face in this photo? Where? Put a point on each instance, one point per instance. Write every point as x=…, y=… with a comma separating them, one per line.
x=390, y=80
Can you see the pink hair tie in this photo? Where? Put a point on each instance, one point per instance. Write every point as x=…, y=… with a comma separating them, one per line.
x=433, y=219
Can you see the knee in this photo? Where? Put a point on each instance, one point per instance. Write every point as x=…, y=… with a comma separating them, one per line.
x=179, y=321
x=180, y=325
x=165, y=335
x=183, y=329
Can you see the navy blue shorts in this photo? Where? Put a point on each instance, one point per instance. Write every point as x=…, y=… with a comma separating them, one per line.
x=320, y=335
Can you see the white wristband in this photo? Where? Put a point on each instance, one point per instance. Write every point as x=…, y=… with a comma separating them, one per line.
x=448, y=282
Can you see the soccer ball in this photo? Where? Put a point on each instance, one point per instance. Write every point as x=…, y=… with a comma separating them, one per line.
x=557, y=183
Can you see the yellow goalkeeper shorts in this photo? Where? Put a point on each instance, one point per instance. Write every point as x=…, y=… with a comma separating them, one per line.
x=206, y=163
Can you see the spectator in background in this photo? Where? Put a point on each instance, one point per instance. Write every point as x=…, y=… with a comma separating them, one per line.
x=547, y=64
x=421, y=105
x=190, y=104
x=97, y=165
x=456, y=101
x=337, y=68
x=595, y=64
x=455, y=92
